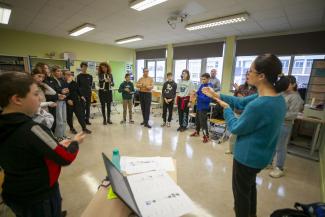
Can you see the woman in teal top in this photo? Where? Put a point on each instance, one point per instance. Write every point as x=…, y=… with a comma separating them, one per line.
x=257, y=128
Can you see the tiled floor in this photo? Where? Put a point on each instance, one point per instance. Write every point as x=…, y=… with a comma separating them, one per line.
x=204, y=171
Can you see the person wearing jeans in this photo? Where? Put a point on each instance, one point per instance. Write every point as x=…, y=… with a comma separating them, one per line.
x=294, y=105
x=127, y=90
x=145, y=85
x=168, y=94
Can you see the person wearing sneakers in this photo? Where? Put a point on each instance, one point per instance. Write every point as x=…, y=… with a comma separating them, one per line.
x=294, y=105
x=127, y=90
x=75, y=104
x=169, y=94
x=203, y=102
x=184, y=89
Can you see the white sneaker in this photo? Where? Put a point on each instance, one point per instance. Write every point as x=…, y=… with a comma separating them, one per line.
x=168, y=124
x=276, y=173
x=163, y=124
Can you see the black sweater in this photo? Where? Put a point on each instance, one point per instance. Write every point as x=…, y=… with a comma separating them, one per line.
x=85, y=82
x=31, y=159
x=74, y=92
x=169, y=90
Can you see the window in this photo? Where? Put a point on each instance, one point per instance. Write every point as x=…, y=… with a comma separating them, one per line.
x=215, y=63
x=194, y=66
x=243, y=64
x=140, y=66
x=302, y=67
x=156, y=69
x=180, y=65
x=285, y=64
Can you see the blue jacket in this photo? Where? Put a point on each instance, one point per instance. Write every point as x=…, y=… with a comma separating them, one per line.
x=203, y=101
x=257, y=128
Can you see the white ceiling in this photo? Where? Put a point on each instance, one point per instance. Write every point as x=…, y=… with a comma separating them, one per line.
x=115, y=20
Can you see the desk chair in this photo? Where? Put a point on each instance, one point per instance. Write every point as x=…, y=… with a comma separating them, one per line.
x=217, y=126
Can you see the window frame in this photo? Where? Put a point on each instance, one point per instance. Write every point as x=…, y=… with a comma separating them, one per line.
x=146, y=66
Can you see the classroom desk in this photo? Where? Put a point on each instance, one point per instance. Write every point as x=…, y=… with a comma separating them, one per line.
x=315, y=141
x=100, y=206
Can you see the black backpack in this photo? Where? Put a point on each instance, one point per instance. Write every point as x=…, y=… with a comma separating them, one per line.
x=288, y=213
x=302, y=210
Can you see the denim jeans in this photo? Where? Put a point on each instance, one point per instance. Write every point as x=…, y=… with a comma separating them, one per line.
x=61, y=119
x=282, y=145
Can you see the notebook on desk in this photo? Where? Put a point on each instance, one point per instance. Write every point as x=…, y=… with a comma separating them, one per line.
x=149, y=194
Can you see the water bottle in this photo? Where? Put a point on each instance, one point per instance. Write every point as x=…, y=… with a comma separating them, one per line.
x=116, y=158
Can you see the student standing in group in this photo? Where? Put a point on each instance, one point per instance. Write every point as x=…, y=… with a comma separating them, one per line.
x=294, y=106
x=61, y=87
x=203, y=107
x=29, y=154
x=257, y=128
x=127, y=90
x=145, y=85
x=106, y=82
x=168, y=94
x=85, y=81
x=216, y=85
x=184, y=89
x=74, y=104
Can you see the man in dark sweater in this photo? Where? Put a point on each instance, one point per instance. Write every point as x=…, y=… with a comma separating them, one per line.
x=29, y=154
x=168, y=94
x=74, y=104
x=127, y=90
x=85, y=82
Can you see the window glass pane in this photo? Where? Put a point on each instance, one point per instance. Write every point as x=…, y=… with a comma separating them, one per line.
x=243, y=64
x=194, y=66
x=180, y=65
x=215, y=63
x=151, y=67
x=285, y=64
x=302, y=67
x=160, y=71
x=140, y=66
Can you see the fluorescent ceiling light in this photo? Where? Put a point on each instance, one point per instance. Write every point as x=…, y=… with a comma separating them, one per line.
x=82, y=29
x=129, y=39
x=141, y=5
x=5, y=12
x=236, y=18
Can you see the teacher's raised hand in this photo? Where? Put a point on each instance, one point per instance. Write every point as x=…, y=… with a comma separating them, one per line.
x=210, y=92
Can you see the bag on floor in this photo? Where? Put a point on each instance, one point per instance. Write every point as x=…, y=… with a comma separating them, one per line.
x=288, y=213
x=313, y=209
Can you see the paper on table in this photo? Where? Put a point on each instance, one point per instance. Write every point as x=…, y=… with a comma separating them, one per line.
x=133, y=165
x=157, y=195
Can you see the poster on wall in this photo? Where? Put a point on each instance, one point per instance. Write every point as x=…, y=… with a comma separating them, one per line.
x=129, y=69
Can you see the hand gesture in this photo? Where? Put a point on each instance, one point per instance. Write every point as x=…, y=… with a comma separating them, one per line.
x=208, y=91
x=79, y=137
x=61, y=97
x=53, y=105
x=222, y=103
x=70, y=102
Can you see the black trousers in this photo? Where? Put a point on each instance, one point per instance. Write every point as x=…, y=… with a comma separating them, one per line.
x=87, y=107
x=105, y=99
x=145, y=101
x=244, y=189
x=168, y=106
x=201, y=122
x=51, y=207
x=53, y=112
x=182, y=114
x=78, y=110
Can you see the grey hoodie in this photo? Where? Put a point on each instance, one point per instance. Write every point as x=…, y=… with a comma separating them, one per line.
x=294, y=106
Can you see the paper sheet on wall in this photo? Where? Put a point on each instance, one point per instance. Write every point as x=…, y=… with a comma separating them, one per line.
x=133, y=165
x=157, y=195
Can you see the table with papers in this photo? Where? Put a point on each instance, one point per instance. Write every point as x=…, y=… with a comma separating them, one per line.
x=140, y=172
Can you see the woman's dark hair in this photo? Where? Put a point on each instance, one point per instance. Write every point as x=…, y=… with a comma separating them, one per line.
x=37, y=70
x=14, y=83
x=292, y=80
x=271, y=66
x=100, y=70
x=188, y=74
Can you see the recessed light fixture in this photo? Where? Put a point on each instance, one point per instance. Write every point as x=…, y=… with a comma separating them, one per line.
x=82, y=29
x=129, y=39
x=141, y=5
x=5, y=11
x=236, y=18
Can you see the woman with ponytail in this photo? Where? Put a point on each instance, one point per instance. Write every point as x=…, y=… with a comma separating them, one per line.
x=294, y=105
x=257, y=128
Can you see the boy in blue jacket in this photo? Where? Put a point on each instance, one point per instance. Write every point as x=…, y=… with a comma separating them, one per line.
x=203, y=108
